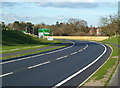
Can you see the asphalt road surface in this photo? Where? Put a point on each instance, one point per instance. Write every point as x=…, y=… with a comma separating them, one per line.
x=66, y=67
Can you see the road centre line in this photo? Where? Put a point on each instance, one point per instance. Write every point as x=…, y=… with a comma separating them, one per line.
x=10, y=73
x=39, y=65
x=75, y=74
x=73, y=53
x=36, y=55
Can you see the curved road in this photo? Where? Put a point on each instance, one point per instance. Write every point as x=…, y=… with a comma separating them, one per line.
x=66, y=67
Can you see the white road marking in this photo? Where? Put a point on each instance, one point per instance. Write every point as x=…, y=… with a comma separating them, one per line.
x=6, y=74
x=36, y=55
x=80, y=50
x=59, y=58
x=96, y=70
x=75, y=74
x=73, y=53
x=39, y=64
x=62, y=57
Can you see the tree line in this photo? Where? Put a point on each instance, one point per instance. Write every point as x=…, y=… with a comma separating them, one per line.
x=110, y=25
x=73, y=27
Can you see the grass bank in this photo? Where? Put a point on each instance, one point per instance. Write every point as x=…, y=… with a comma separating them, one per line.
x=14, y=40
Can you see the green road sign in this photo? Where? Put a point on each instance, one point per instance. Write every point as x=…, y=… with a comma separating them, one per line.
x=25, y=31
x=43, y=32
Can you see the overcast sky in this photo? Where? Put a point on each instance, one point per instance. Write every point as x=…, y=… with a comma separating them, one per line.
x=50, y=11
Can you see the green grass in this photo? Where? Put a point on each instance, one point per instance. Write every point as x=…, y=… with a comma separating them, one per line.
x=14, y=39
x=113, y=40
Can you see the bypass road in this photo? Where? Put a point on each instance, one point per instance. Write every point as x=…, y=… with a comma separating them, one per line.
x=66, y=67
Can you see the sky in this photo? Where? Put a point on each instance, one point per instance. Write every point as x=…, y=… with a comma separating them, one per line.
x=50, y=11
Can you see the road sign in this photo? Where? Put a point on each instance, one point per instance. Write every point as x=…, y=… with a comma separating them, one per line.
x=43, y=32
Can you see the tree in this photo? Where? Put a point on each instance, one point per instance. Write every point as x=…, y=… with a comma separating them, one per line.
x=29, y=27
x=109, y=25
x=22, y=26
x=57, y=23
x=16, y=25
x=3, y=26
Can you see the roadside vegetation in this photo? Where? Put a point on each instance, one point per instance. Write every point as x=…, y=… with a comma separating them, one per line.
x=114, y=39
x=36, y=52
x=14, y=40
x=104, y=74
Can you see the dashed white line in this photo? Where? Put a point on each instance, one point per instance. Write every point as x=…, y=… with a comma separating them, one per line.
x=73, y=53
x=39, y=64
x=59, y=58
x=62, y=57
x=80, y=50
x=6, y=74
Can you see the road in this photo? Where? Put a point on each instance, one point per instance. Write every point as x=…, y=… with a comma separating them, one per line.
x=66, y=67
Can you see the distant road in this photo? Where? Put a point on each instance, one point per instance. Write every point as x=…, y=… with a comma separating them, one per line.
x=66, y=67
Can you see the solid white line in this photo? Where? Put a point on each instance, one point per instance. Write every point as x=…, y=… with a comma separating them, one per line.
x=39, y=65
x=75, y=74
x=36, y=55
x=6, y=74
x=96, y=70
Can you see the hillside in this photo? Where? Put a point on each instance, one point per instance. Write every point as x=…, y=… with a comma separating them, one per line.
x=15, y=37
x=12, y=39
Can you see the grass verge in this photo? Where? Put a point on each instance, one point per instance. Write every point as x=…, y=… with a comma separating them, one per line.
x=13, y=56
x=29, y=47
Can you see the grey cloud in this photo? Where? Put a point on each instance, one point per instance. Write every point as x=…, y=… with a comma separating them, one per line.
x=11, y=17
x=68, y=4
x=11, y=4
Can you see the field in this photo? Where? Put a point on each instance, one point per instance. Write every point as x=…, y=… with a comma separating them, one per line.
x=92, y=38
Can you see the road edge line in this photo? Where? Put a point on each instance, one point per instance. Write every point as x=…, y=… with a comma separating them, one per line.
x=98, y=68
